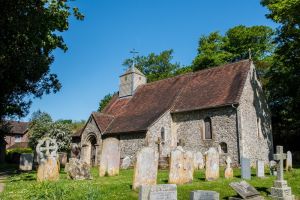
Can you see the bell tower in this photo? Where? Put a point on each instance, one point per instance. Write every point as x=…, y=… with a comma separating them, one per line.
x=131, y=79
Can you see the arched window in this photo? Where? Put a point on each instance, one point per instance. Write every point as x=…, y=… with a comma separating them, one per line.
x=162, y=134
x=223, y=147
x=208, y=131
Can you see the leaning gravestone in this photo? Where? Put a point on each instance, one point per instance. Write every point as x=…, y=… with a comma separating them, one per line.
x=198, y=161
x=289, y=161
x=77, y=169
x=204, y=195
x=260, y=168
x=48, y=168
x=26, y=161
x=158, y=192
x=280, y=190
x=181, y=166
x=245, y=190
x=246, y=168
x=126, y=162
x=228, y=170
x=212, y=164
x=110, y=157
x=145, y=169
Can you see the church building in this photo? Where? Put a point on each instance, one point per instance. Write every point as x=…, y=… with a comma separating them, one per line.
x=222, y=107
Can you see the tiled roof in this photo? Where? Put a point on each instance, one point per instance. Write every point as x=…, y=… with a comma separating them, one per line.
x=214, y=87
x=17, y=127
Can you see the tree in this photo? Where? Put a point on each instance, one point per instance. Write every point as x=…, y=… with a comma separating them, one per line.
x=29, y=33
x=41, y=125
x=216, y=49
x=155, y=66
x=284, y=74
x=103, y=102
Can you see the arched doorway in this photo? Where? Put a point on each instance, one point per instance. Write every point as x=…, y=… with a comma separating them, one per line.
x=90, y=150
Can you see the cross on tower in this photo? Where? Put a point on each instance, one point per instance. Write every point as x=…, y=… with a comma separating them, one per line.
x=279, y=157
x=134, y=53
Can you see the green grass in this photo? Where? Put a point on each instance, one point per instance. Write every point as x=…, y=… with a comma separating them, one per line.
x=24, y=186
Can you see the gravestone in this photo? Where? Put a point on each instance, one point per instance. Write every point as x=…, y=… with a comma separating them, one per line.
x=75, y=151
x=228, y=170
x=48, y=169
x=198, y=161
x=273, y=168
x=126, y=162
x=204, y=195
x=212, y=164
x=245, y=190
x=78, y=169
x=63, y=158
x=260, y=168
x=26, y=161
x=280, y=190
x=110, y=157
x=246, y=168
x=289, y=161
x=158, y=192
x=145, y=169
x=181, y=166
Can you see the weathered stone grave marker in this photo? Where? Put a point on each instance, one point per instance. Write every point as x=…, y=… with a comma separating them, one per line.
x=289, y=161
x=212, y=164
x=145, y=169
x=110, y=157
x=78, y=169
x=198, y=161
x=126, y=162
x=26, y=161
x=204, y=195
x=273, y=168
x=181, y=166
x=48, y=168
x=280, y=190
x=228, y=170
x=158, y=192
x=245, y=190
x=260, y=168
x=246, y=168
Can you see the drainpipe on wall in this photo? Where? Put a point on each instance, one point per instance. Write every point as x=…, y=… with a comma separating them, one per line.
x=238, y=134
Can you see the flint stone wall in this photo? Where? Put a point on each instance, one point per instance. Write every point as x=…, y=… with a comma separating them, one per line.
x=190, y=130
x=255, y=119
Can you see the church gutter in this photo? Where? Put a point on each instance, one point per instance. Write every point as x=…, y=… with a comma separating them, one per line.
x=237, y=130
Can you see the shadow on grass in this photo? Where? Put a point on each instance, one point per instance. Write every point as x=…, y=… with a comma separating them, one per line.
x=263, y=189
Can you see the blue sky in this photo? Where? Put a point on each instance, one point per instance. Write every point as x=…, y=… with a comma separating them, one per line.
x=98, y=45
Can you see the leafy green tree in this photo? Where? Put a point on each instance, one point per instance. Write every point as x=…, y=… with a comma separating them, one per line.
x=103, y=102
x=41, y=125
x=30, y=32
x=284, y=74
x=216, y=49
x=155, y=66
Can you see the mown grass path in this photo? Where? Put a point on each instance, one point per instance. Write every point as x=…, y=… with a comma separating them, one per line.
x=24, y=186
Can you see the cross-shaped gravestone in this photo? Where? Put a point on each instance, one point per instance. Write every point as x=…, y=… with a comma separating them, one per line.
x=47, y=147
x=279, y=157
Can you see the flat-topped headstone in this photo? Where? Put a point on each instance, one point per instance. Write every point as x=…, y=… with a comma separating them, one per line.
x=212, y=164
x=198, y=161
x=289, y=161
x=204, y=195
x=260, y=168
x=280, y=190
x=158, y=192
x=181, y=166
x=110, y=157
x=246, y=168
x=26, y=161
x=145, y=169
x=228, y=171
x=48, y=169
x=245, y=190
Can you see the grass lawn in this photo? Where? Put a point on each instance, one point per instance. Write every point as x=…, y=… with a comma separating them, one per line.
x=24, y=186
